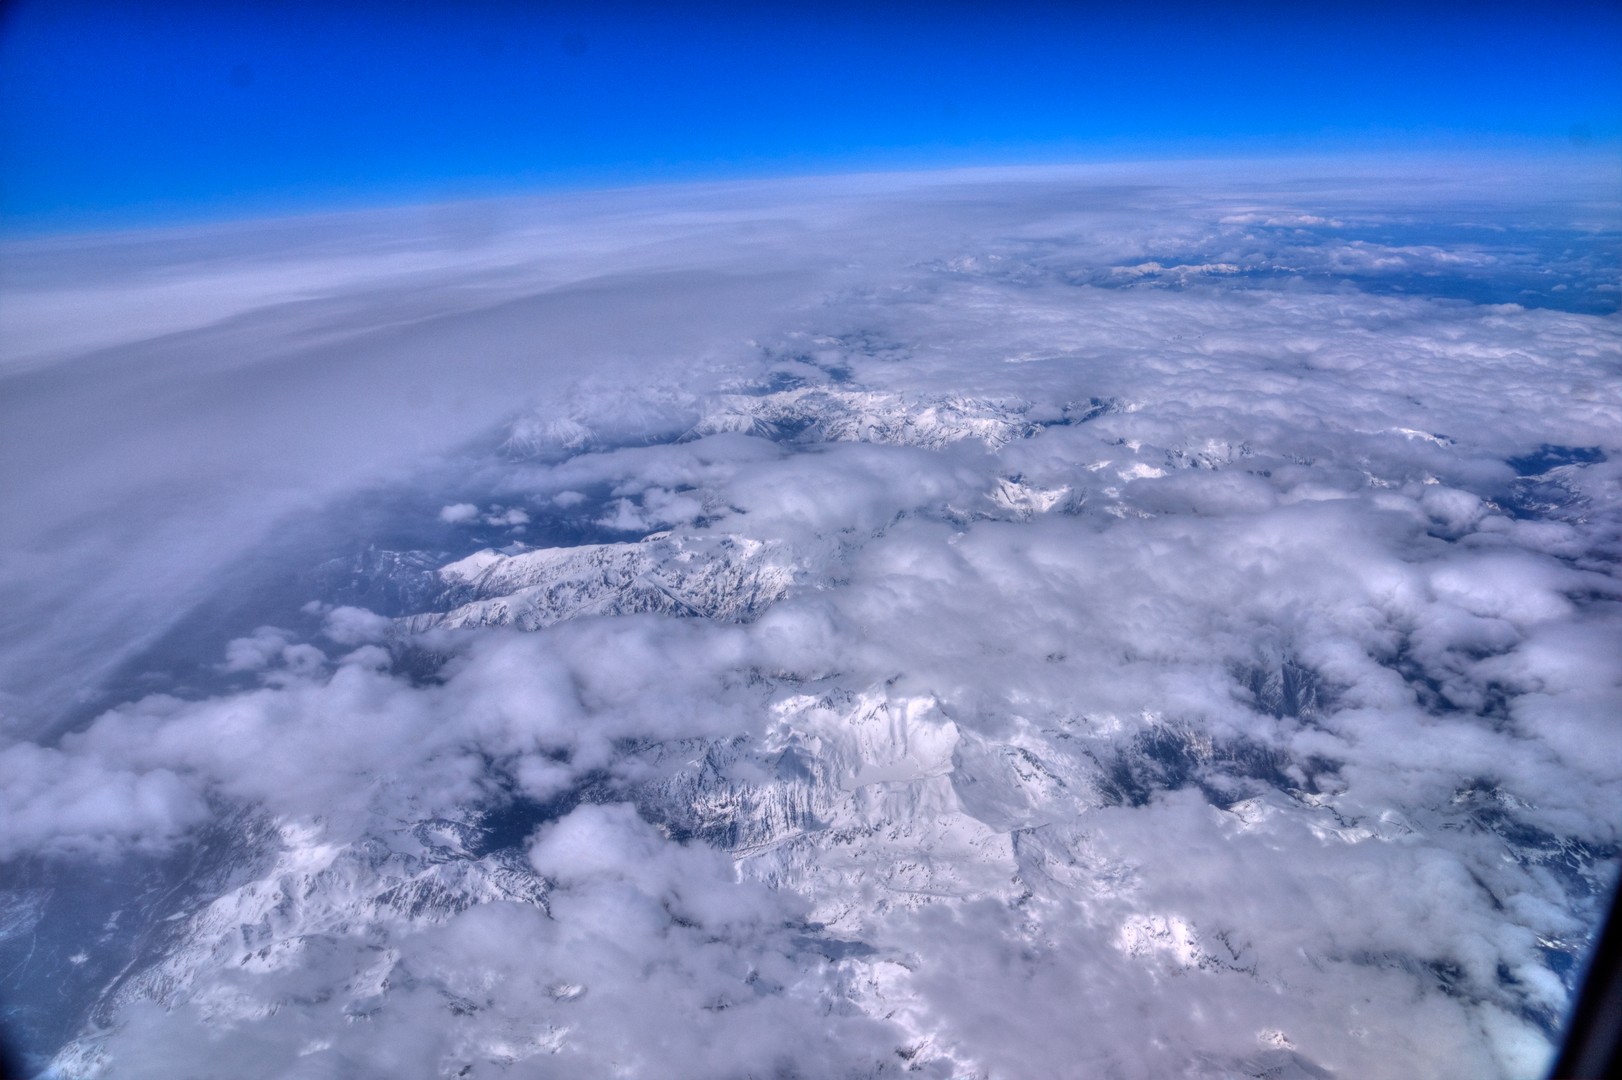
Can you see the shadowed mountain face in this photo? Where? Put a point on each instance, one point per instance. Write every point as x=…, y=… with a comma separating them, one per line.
x=1054, y=627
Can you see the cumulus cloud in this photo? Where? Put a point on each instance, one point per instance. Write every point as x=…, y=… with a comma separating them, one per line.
x=354, y=626
x=64, y=803
x=256, y=651
x=641, y=957
x=1012, y=667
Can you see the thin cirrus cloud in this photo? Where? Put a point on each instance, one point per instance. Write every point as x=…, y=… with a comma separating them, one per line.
x=1139, y=621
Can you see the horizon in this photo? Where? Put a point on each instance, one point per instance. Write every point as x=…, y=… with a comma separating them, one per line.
x=1577, y=172
x=114, y=118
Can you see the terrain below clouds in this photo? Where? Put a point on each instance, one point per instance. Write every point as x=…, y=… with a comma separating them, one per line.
x=1054, y=623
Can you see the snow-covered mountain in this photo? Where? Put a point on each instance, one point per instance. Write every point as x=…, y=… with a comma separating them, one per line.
x=722, y=577
x=874, y=801
x=1132, y=669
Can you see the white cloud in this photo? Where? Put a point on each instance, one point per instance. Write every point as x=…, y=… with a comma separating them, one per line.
x=1204, y=694
x=510, y=516
x=354, y=626
x=646, y=959
x=64, y=803
x=264, y=646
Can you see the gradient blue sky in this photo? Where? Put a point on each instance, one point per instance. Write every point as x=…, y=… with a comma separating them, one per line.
x=123, y=113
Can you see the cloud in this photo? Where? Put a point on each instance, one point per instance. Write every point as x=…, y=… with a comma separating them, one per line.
x=645, y=957
x=1001, y=671
x=511, y=516
x=62, y=803
x=259, y=650
x=354, y=626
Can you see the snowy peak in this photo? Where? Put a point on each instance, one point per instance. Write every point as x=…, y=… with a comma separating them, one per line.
x=715, y=577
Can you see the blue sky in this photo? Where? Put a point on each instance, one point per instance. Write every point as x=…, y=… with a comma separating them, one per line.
x=115, y=113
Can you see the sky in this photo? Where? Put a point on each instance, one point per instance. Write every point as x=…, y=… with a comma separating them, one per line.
x=1024, y=522
x=119, y=114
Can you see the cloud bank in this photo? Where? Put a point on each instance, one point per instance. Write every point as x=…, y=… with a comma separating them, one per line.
x=987, y=625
